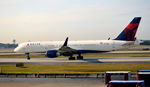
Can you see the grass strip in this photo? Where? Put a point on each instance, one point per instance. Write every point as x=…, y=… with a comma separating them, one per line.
x=71, y=68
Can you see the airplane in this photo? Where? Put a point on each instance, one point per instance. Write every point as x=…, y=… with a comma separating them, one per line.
x=54, y=49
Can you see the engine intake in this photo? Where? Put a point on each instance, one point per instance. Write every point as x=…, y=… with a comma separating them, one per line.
x=52, y=53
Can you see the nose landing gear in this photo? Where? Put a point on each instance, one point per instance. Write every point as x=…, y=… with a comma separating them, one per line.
x=27, y=55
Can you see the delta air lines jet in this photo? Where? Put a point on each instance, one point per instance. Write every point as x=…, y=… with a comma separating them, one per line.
x=68, y=48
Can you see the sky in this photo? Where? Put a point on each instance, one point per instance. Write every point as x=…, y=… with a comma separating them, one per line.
x=47, y=20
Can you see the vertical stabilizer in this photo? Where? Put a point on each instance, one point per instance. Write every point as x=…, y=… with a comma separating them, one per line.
x=128, y=34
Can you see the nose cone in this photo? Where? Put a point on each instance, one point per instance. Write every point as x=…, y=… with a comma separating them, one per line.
x=16, y=49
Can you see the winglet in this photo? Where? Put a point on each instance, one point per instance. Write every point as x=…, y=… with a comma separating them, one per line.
x=66, y=42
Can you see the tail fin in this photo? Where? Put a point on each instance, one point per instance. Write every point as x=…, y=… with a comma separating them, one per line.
x=128, y=34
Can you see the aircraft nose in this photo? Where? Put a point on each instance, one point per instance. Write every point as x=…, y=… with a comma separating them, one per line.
x=16, y=49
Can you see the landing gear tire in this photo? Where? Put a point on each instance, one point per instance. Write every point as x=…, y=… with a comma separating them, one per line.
x=27, y=55
x=71, y=58
x=28, y=58
x=79, y=57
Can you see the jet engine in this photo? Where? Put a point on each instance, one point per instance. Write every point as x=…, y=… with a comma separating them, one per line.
x=52, y=53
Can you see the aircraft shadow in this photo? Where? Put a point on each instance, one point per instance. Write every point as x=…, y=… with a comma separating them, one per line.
x=92, y=60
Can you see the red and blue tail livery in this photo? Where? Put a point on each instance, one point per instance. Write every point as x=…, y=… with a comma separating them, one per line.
x=128, y=34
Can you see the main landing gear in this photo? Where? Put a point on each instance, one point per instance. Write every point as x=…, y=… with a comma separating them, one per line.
x=72, y=58
x=27, y=55
x=79, y=57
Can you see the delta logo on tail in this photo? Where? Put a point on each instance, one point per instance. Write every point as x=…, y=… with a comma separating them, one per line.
x=128, y=34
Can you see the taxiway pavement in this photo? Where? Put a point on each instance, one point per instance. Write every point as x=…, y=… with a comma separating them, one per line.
x=90, y=60
x=111, y=52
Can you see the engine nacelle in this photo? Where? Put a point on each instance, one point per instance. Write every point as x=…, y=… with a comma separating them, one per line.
x=52, y=53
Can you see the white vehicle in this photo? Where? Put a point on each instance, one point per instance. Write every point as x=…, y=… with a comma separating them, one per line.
x=56, y=48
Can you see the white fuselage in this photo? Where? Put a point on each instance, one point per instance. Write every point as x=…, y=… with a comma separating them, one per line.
x=93, y=45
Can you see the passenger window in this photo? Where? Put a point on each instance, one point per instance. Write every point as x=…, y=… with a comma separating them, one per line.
x=101, y=42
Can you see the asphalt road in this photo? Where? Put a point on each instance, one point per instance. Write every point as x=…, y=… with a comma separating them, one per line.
x=100, y=60
x=52, y=82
